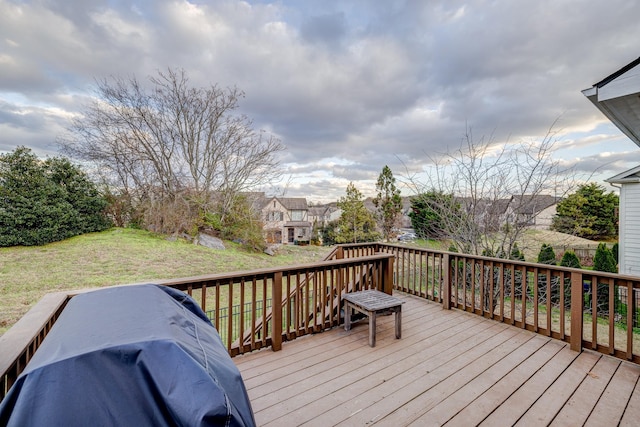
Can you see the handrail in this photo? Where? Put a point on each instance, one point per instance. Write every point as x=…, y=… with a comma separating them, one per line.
x=333, y=301
x=336, y=253
x=19, y=344
x=587, y=309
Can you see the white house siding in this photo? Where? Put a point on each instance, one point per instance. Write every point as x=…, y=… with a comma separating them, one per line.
x=544, y=219
x=629, y=262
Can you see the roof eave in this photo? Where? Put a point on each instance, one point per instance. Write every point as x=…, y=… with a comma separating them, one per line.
x=592, y=95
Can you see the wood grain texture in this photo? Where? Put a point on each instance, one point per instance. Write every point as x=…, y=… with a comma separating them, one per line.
x=450, y=368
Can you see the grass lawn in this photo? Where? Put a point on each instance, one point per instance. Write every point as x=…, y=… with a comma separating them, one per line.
x=120, y=256
x=529, y=243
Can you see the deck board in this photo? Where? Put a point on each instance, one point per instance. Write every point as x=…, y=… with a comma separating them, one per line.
x=395, y=385
x=577, y=409
x=450, y=367
x=494, y=396
x=543, y=411
x=611, y=405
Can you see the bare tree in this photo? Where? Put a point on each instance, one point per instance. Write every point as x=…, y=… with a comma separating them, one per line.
x=493, y=189
x=178, y=150
x=483, y=197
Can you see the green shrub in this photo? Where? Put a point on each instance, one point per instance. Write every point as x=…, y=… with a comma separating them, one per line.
x=604, y=260
x=239, y=223
x=516, y=254
x=570, y=259
x=546, y=255
x=46, y=201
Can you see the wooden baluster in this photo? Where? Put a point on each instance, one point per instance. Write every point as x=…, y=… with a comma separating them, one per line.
x=446, y=282
x=576, y=311
x=276, y=310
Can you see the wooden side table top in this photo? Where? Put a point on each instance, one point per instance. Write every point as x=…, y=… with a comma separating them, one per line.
x=372, y=300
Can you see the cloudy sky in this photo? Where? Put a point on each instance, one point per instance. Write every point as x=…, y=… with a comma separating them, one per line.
x=347, y=86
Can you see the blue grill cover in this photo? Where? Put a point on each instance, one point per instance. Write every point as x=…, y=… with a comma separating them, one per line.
x=143, y=355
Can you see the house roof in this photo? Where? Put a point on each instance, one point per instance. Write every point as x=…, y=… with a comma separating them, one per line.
x=521, y=204
x=324, y=210
x=618, y=73
x=532, y=204
x=317, y=210
x=491, y=206
x=290, y=203
x=626, y=177
x=294, y=203
x=617, y=97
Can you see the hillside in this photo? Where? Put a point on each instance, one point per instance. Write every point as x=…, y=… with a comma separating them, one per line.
x=119, y=256
x=533, y=240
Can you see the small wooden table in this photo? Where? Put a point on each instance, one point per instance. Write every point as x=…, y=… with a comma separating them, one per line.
x=370, y=303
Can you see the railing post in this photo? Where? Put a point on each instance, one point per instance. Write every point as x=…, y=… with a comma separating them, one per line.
x=387, y=275
x=276, y=310
x=577, y=301
x=446, y=282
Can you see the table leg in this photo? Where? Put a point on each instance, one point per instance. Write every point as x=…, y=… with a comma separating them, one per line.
x=399, y=322
x=372, y=328
x=347, y=316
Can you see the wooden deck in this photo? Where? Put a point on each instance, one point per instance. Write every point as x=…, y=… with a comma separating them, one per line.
x=450, y=367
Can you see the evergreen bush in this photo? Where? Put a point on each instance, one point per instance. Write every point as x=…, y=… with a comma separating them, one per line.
x=603, y=261
x=546, y=255
x=516, y=253
x=570, y=259
x=46, y=201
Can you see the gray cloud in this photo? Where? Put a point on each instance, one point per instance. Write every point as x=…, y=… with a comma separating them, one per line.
x=387, y=83
x=326, y=29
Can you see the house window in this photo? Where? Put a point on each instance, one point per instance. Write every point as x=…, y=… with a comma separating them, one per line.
x=275, y=216
x=297, y=215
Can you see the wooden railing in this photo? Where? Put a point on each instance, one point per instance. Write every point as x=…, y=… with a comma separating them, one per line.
x=588, y=309
x=599, y=311
x=20, y=343
x=303, y=299
x=250, y=310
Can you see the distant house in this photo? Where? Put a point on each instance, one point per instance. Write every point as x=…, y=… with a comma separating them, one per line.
x=534, y=211
x=323, y=214
x=492, y=214
x=405, y=219
x=618, y=98
x=286, y=220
